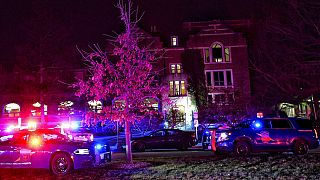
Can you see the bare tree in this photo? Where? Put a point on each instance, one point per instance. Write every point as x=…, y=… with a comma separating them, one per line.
x=286, y=51
x=125, y=76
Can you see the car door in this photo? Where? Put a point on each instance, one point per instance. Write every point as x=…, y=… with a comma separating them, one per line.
x=156, y=140
x=10, y=152
x=173, y=139
x=282, y=132
x=261, y=134
x=21, y=153
x=5, y=153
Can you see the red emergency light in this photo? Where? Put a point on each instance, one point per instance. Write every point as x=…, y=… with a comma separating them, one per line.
x=259, y=115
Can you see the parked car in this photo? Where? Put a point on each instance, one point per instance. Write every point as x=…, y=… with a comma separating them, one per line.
x=46, y=148
x=165, y=139
x=268, y=135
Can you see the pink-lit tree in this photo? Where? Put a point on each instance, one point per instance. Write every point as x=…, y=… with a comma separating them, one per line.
x=123, y=77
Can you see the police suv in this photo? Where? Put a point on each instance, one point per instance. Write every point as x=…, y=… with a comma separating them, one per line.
x=268, y=135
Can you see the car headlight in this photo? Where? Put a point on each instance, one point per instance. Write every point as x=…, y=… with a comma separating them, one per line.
x=81, y=151
x=98, y=146
x=224, y=136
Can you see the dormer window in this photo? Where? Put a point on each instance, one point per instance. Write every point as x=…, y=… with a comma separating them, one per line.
x=174, y=40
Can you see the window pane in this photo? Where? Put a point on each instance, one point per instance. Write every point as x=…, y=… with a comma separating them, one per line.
x=178, y=68
x=229, y=80
x=206, y=55
x=218, y=78
x=176, y=88
x=208, y=74
x=216, y=53
x=171, y=88
x=173, y=68
x=266, y=123
x=210, y=98
x=227, y=54
x=183, y=88
x=279, y=123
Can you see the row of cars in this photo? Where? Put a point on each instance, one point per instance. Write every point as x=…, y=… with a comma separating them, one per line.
x=61, y=151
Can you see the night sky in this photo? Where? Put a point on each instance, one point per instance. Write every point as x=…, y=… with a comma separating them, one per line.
x=88, y=20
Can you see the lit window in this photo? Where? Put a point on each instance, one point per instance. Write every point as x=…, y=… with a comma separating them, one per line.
x=219, y=78
x=174, y=41
x=216, y=54
x=173, y=68
x=207, y=55
x=176, y=68
x=183, y=88
x=171, y=88
x=95, y=106
x=177, y=88
x=36, y=109
x=12, y=110
x=227, y=54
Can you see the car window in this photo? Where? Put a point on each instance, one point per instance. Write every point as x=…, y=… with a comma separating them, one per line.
x=158, y=133
x=171, y=132
x=266, y=123
x=280, y=123
x=304, y=124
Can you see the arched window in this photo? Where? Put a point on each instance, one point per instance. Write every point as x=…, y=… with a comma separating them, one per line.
x=12, y=110
x=217, y=53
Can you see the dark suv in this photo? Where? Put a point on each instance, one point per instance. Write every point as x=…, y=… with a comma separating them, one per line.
x=268, y=135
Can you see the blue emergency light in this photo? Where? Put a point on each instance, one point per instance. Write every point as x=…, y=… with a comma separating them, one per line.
x=257, y=124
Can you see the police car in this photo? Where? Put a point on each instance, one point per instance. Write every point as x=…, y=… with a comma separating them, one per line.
x=268, y=135
x=46, y=148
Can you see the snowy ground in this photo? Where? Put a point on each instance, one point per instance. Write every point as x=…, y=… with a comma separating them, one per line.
x=191, y=166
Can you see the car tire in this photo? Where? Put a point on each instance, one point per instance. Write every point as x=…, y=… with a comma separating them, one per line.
x=300, y=147
x=61, y=164
x=242, y=148
x=141, y=147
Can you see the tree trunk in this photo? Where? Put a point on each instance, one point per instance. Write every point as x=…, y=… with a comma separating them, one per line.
x=128, y=142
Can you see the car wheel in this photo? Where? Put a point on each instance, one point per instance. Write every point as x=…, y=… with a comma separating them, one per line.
x=300, y=147
x=141, y=147
x=242, y=148
x=61, y=164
